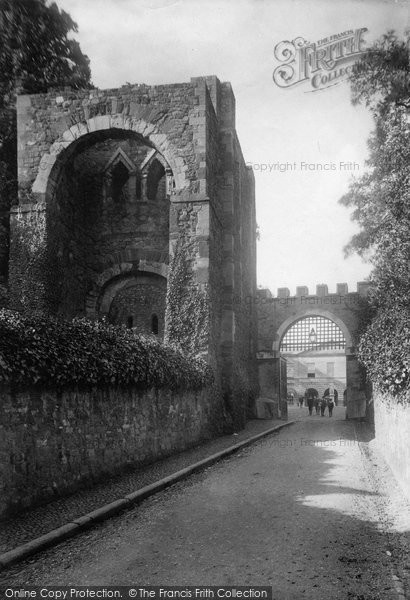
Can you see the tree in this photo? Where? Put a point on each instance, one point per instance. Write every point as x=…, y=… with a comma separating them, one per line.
x=35, y=54
x=381, y=78
x=381, y=202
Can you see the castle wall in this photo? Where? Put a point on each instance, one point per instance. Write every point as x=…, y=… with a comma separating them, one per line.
x=347, y=309
x=53, y=443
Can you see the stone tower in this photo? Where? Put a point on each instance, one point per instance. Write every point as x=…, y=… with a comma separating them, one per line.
x=135, y=204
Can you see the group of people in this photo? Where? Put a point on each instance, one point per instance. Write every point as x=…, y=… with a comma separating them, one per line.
x=320, y=404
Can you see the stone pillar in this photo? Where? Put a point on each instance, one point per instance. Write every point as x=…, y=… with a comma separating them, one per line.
x=272, y=383
x=228, y=269
x=144, y=187
x=356, y=389
x=267, y=405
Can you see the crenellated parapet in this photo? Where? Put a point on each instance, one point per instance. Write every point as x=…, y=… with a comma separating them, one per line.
x=322, y=289
x=277, y=313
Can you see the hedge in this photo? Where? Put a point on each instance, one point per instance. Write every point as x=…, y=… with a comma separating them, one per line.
x=384, y=350
x=47, y=352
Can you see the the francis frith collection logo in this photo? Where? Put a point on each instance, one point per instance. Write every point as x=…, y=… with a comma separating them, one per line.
x=323, y=64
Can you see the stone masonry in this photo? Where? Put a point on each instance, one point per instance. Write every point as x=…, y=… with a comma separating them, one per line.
x=349, y=310
x=110, y=183
x=52, y=442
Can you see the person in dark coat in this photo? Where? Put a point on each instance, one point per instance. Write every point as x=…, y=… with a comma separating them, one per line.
x=310, y=402
x=330, y=395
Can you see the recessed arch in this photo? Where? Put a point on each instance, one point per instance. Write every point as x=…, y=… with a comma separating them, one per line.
x=136, y=300
x=99, y=127
x=121, y=273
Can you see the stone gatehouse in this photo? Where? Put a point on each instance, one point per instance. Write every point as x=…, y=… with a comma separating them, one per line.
x=135, y=201
x=340, y=313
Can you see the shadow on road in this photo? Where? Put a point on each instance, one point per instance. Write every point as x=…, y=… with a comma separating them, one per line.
x=303, y=511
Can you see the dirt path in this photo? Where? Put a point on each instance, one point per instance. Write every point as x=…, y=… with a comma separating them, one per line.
x=301, y=511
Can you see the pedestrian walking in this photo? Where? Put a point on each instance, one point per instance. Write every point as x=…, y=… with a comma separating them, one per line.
x=317, y=404
x=300, y=401
x=310, y=402
x=331, y=396
x=323, y=404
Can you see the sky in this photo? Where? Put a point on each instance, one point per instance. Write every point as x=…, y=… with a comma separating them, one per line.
x=303, y=228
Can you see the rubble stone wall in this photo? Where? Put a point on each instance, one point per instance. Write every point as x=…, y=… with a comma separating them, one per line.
x=54, y=443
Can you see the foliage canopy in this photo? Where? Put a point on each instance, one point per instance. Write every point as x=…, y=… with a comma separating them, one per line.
x=381, y=206
x=36, y=53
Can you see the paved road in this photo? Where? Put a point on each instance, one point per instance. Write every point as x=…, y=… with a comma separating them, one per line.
x=303, y=511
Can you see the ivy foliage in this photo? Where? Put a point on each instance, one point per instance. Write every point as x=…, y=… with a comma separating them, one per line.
x=385, y=351
x=381, y=206
x=187, y=303
x=48, y=352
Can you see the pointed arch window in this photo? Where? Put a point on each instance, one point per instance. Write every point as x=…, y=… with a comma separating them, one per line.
x=119, y=177
x=122, y=177
x=156, y=176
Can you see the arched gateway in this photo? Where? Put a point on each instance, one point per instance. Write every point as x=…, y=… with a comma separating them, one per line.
x=277, y=316
x=114, y=184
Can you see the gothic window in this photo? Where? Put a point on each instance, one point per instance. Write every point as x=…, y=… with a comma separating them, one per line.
x=155, y=179
x=119, y=177
x=122, y=178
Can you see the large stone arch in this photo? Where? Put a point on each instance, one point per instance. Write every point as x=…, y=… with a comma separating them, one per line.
x=50, y=175
x=313, y=312
x=276, y=315
x=68, y=143
x=56, y=131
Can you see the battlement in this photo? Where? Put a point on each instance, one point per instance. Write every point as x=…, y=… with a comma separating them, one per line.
x=322, y=290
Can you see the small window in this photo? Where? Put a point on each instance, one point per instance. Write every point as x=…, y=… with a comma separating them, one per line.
x=311, y=370
x=120, y=177
x=154, y=324
x=155, y=174
x=130, y=322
